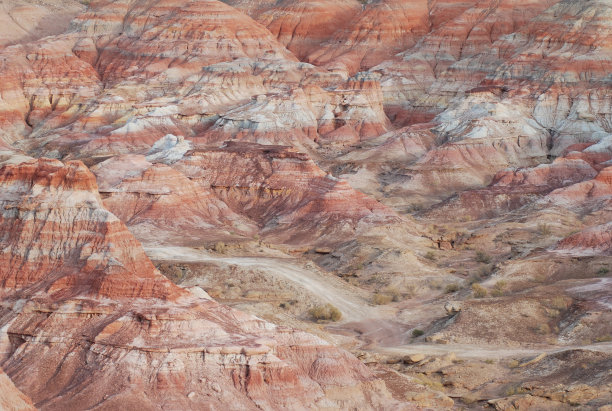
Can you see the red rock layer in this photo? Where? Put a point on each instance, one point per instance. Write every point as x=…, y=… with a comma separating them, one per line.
x=292, y=198
x=303, y=26
x=44, y=203
x=595, y=240
x=162, y=206
x=88, y=322
x=187, y=37
x=453, y=57
x=512, y=189
x=597, y=189
x=42, y=81
x=380, y=31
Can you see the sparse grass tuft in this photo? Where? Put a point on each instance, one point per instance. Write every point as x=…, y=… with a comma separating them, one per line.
x=394, y=293
x=513, y=364
x=431, y=256
x=428, y=382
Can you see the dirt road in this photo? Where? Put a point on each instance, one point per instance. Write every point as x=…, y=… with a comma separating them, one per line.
x=350, y=300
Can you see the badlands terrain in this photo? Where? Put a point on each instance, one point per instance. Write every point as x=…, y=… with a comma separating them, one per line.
x=320, y=204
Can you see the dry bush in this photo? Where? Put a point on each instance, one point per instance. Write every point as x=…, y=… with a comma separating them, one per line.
x=325, y=312
x=417, y=333
x=544, y=229
x=220, y=247
x=451, y=288
x=556, y=303
x=543, y=329
x=394, y=293
x=381, y=299
x=498, y=289
x=483, y=257
x=479, y=291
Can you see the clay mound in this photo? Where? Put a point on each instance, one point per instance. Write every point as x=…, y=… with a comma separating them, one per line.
x=453, y=57
x=88, y=322
x=512, y=189
x=44, y=85
x=596, y=190
x=44, y=203
x=380, y=31
x=161, y=205
x=304, y=117
x=293, y=200
x=302, y=26
x=595, y=240
x=172, y=34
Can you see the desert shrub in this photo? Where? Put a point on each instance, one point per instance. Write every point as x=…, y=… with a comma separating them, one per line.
x=325, y=312
x=483, y=257
x=381, y=299
x=451, y=288
x=479, y=291
x=603, y=271
x=428, y=381
x=515, y=390
x=410, y=290
x=220, y=247
x=431, y=256
x=469, y=399
x=486, y=271
x=393, y=293
x=513, y=363
x=436, y=284
x=498, y=289
x=557, y=303
x=543, y=329
x=544, y=229
x=417, y=333
x=603, y=338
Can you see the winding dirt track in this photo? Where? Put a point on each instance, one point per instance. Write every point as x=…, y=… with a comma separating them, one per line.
x=354, y=306
x=480, y=352
x=349, y=300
